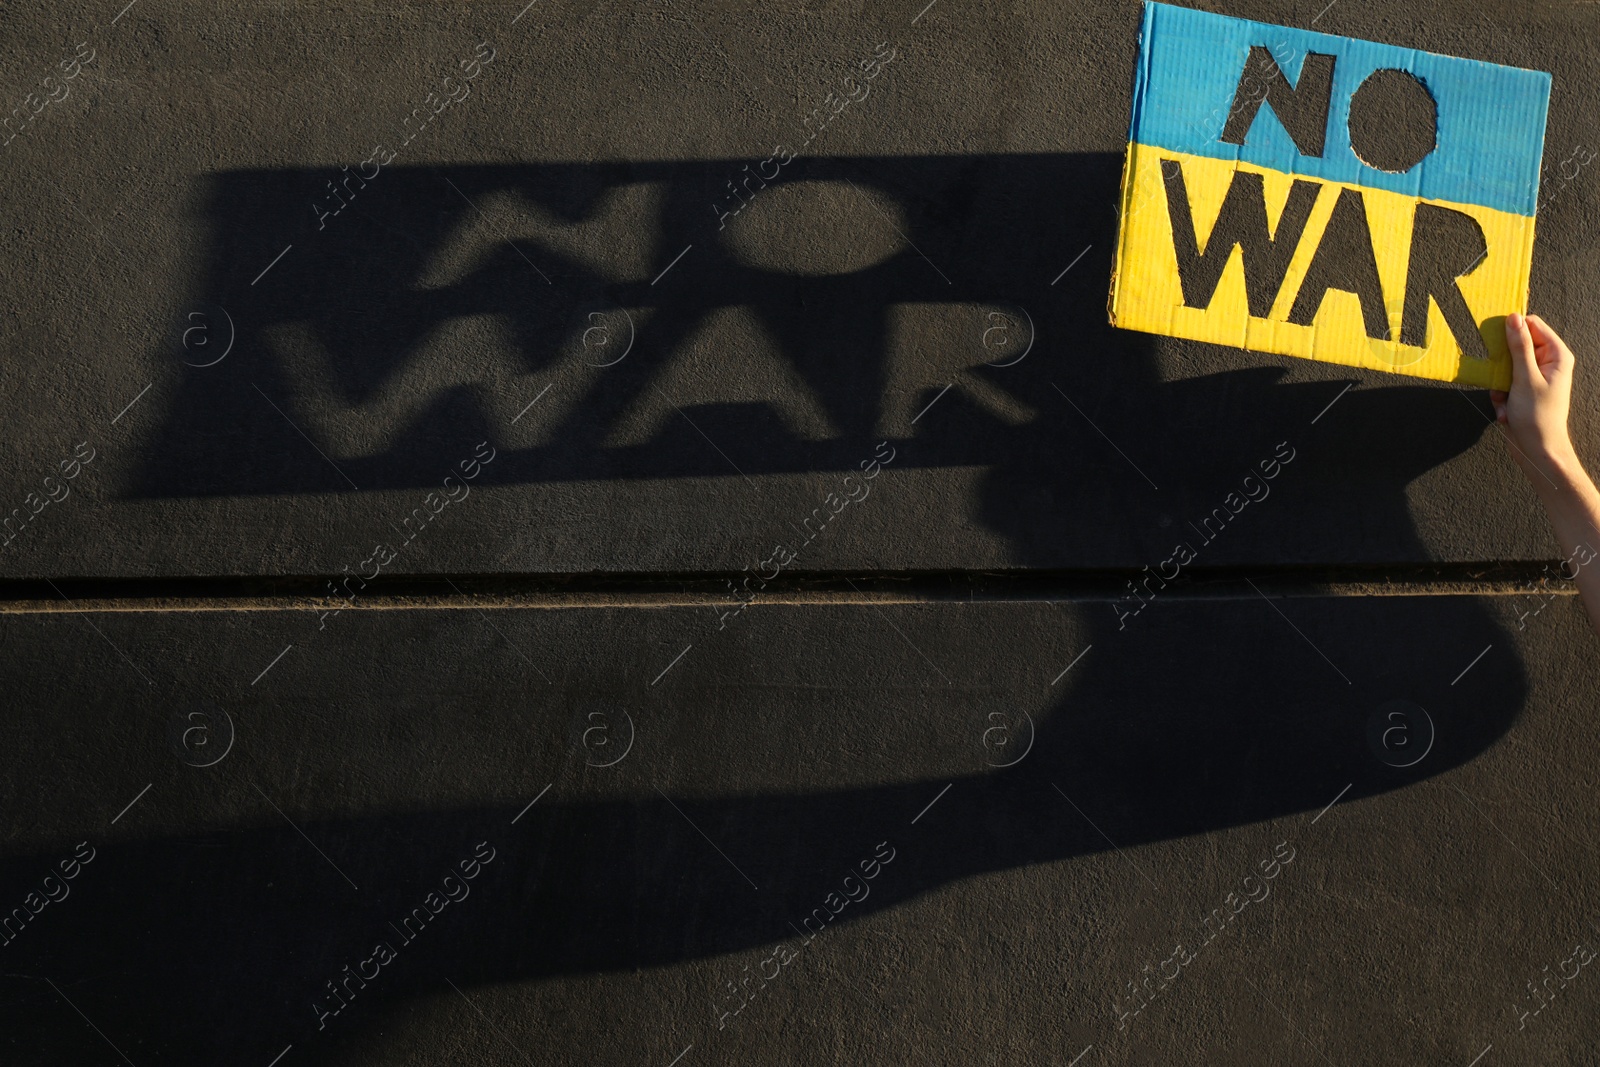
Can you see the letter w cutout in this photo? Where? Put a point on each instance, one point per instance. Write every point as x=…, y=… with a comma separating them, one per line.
x=1243, y=222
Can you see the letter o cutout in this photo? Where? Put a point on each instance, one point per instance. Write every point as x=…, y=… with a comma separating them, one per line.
x=1394, y=121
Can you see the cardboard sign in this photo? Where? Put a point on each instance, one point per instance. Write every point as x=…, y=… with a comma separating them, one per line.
x=1323, y=197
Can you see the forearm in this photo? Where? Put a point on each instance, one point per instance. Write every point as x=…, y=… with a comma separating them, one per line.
x=1573, y=504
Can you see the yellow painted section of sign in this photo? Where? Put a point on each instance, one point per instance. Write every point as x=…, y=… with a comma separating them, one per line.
x=1147, y=294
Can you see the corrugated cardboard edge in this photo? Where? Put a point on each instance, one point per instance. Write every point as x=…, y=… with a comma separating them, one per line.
x=1122, y=215
x=1140, y=80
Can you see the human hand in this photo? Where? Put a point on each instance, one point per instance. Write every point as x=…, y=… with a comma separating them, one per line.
x=1534, y=412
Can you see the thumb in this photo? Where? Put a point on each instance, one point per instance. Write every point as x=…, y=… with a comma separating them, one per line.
x=1525, y=372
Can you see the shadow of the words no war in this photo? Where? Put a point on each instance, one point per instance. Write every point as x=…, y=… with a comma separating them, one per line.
x=571, y=312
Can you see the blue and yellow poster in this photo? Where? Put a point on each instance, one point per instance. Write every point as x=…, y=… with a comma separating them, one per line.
x=1310, y=195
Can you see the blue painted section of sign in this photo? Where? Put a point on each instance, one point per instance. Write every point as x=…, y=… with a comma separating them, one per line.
x=1491, y=118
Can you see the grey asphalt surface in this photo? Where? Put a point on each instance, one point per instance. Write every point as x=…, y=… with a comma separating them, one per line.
x=189, y=154
x=545, y=294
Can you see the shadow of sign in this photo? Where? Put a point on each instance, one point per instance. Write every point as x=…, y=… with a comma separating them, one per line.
x=796, y=317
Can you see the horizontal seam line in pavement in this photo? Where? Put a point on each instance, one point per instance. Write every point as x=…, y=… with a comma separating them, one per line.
x=445, y=592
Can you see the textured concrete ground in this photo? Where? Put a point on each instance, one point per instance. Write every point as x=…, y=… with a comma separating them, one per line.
x=501, y=531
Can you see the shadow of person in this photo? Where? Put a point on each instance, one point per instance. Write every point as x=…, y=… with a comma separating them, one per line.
x=1197, y=714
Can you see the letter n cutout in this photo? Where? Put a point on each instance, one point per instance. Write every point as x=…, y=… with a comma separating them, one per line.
x=1302, y=108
